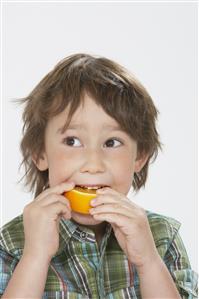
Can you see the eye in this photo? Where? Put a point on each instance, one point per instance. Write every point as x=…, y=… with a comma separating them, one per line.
x=72, y=141
x=113, y=142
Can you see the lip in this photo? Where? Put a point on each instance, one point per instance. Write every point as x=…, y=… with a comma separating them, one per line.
x=92, y=185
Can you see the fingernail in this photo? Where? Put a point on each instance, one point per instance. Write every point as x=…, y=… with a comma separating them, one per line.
x=101, y=190
x=70, y=183
x=93, y=201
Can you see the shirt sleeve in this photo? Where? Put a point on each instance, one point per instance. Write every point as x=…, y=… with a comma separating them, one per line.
x=177, y=262
x=7, y=266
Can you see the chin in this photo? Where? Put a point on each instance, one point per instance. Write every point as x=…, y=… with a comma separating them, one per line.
x=85, y=219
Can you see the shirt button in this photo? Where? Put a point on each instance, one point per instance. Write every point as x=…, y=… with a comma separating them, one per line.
x=83, y=235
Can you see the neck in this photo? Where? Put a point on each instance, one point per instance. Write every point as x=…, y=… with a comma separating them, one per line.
x=98, y=230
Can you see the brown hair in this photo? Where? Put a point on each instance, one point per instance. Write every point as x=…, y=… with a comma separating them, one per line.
x=119, y=93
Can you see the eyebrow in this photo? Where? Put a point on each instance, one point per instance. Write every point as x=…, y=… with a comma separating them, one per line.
x=82, y=127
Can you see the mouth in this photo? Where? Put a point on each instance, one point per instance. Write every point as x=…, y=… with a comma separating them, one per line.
x=93, y=187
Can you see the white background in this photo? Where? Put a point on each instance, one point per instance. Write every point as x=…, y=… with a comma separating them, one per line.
x=156, y=42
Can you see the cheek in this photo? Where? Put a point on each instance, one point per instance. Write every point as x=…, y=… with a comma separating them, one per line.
x=61, y=166
x=123, y=162
x=123, y=170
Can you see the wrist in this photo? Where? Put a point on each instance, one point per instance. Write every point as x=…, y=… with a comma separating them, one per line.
x=149, y=263
x=40, y=258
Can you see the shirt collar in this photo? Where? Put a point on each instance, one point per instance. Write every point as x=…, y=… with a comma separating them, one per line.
x=69, y=229
x=66, y=229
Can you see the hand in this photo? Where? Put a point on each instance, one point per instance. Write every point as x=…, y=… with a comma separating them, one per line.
x=130, y=225
x=41, y=221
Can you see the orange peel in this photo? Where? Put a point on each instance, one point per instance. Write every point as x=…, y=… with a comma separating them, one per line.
x=80, y=198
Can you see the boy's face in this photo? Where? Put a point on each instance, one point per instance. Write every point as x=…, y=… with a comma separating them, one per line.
x=93, y=150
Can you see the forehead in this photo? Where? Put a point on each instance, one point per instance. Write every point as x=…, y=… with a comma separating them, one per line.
x=88, y=114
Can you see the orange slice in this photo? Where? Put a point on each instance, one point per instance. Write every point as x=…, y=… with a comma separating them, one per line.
x=80, y=198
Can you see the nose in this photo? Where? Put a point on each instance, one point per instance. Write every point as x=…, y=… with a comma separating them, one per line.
x=93, y=162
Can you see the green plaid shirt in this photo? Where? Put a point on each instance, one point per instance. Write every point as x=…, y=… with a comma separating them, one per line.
x=80, y=269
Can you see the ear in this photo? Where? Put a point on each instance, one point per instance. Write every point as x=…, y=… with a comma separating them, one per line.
x=140, y=162
x=41, y=162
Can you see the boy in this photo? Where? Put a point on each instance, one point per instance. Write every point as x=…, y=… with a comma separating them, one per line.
x=90, y=123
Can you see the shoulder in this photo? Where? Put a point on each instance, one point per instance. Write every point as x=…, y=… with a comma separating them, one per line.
x=162, y=226
x=12, y=236
x=164, y=229
x=11, y=249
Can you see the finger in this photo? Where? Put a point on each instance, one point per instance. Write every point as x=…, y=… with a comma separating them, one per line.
x=58, y=189
x=52, y=198
x=55, y=210
x=119, y=220
x=111, y=198
x=116, y=208
x=108, y=198
x=108, y=190
x=117, y=230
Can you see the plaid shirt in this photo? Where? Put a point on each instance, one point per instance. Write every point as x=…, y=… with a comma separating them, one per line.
x=80, y=269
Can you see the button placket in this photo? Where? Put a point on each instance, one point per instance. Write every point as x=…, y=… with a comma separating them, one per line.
x=83, y=235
